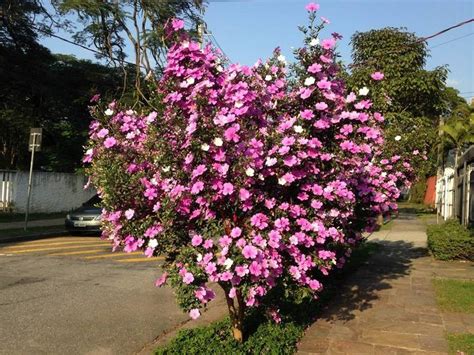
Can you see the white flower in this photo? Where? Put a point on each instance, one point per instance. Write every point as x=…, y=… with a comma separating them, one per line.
x=268, y=77
x=261, y=177
x=270, y=161
x=166, y=168
x=190, y=80
x=185, y=44
x=153, y=181
x=281, y=181
x=309, y=81
x=152, y=243
x=205, y=147
x=281, y=58
x=218, y=142
x=249, y=172
x=109, y=112
x=298, y=129
x=314, y=42
x=199, y=257
x=228, y=263
x=238, y=104
x=89, y=151
x=397, y=138
x=364, y=91
x=220, y=69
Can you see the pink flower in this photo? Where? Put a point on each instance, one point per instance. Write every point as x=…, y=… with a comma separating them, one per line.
x=194, y=313
x=110, y=142
x=321, y=106
x=328, y=43
x=188, y=278
x=307, y=114
x=377, y=76
x=177, y=24
x=311, y=7
x=197, y=187
x=244, y=194
x=315, y=68
x=129, y=213
x=236, y=232
x=161, y=280
x=305, y=93
x=230, y=133
x=325, y=20
x=102, y=133
x=227, y=189
x=208, y=243
x=196, y=240
x=314, y=284
x=249, y=252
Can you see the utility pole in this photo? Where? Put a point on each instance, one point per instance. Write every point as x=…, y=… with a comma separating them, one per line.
x=33, y=146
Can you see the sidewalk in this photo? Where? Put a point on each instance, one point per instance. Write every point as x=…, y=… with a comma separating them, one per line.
x=38, y=223
x=388, y=306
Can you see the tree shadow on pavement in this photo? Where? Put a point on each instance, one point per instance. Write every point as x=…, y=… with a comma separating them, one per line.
x=358, y=290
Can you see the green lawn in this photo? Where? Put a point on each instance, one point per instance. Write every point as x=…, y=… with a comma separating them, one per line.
x=416, y=208
x=18, y=217
x=454, y=295
x=461, y=343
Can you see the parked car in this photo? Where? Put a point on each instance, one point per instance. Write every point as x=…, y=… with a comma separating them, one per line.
x=86, y=218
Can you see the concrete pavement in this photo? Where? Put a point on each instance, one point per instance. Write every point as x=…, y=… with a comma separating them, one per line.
x=389, y=306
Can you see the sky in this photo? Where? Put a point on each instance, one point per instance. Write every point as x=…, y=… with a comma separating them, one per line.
x=250, y=29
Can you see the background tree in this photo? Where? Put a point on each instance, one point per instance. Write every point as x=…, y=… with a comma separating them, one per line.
x=40, y=89
x=411, y=97
x=115, y=27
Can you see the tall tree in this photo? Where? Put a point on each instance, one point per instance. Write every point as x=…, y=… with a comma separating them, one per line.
x=40, y=89
x=138, y=26
x=411, y=96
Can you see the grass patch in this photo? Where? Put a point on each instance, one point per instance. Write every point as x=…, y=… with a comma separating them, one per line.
x=461, y=343
x=263, y=336
x=454, y=295
x=19, y=232
x=19, y=217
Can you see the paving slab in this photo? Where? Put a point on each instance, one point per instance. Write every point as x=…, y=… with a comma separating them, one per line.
x=388, y=306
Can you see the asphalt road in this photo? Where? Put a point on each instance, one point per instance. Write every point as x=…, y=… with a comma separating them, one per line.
x=71, y=295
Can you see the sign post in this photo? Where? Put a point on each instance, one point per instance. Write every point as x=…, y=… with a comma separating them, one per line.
x=34, y=145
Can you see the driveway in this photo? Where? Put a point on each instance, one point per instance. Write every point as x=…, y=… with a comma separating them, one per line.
x=71, y=295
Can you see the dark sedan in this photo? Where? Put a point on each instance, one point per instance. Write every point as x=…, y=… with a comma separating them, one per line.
x=86, y=218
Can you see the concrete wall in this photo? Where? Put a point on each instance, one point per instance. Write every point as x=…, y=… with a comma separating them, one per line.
x=51, y=192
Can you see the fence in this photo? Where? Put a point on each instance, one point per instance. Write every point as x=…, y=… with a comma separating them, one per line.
x=51, y=192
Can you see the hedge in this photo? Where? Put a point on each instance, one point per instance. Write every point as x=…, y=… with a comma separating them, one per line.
x=450, y=241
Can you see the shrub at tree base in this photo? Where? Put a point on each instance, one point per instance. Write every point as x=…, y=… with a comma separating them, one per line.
x=257, y=178
x=450, y=241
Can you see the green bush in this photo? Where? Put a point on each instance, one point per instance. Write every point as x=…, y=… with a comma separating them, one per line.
x=269, y=338
x=417, y=192
x=450, y=241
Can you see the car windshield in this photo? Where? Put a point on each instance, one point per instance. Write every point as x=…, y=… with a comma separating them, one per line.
x=93, y=202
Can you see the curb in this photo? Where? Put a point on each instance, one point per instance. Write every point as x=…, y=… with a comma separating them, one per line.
x=36, y=236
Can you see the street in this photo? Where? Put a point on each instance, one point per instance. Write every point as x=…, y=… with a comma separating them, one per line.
x=72, y=295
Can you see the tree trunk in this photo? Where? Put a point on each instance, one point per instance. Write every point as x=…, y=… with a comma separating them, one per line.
x=236, y=313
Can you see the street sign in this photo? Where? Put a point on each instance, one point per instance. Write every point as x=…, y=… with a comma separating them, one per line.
x=36, y=135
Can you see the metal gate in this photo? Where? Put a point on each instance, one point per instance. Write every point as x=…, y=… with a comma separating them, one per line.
x=6, y=190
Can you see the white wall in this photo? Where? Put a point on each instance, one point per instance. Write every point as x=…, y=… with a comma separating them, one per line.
x=51, y=192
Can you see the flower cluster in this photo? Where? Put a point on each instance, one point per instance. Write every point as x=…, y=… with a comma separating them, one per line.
x=241, y=176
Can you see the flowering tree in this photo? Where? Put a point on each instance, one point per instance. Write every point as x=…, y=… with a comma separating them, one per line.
x=242, y=177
